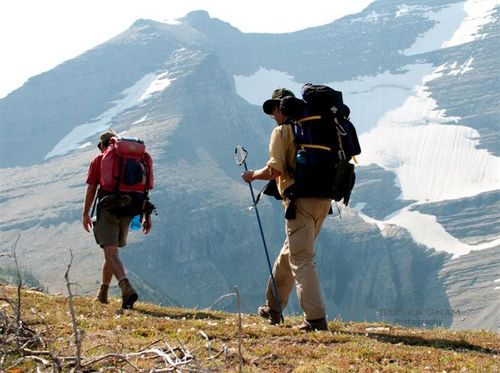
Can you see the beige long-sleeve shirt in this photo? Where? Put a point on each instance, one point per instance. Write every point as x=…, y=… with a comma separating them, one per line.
x=282, y=150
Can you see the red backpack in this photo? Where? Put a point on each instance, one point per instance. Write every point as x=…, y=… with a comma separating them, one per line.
x=126, y=167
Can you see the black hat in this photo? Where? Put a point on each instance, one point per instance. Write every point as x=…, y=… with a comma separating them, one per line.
x=277, y=96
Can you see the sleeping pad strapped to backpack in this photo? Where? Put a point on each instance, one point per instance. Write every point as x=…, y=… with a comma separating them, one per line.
x=127, y=169
x=326, y=141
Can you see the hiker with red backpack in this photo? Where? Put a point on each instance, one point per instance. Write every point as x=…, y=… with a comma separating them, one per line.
x=120, y=177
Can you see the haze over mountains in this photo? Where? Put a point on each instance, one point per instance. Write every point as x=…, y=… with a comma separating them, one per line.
x=420, y=245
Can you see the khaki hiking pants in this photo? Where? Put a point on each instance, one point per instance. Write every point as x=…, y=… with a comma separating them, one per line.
x=296, y=262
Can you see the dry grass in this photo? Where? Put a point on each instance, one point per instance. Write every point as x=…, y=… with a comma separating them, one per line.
x=346, y=347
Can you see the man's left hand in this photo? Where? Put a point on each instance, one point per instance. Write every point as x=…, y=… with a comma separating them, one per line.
x=147, y=224
x=87, y=222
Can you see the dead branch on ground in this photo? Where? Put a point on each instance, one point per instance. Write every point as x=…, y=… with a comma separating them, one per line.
x=76, y=332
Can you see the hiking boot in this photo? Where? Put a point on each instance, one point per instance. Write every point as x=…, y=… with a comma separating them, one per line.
x=102, y=294
x=115, y=200
x=316, y=324
x=129, y=296
x=269, y=314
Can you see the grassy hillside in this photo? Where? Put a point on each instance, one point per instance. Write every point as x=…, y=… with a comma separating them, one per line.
x=151, y=338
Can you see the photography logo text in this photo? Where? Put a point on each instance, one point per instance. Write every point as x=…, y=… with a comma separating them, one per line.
x=430, y=317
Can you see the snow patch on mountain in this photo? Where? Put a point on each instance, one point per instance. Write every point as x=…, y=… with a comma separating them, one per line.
x=456, y=24
x=406, y=9
x=258, y=87
x=425, y=230
x=140, y=120
x=479, y=13
x=448, y=20
x=371, y=97
x=160, y=82
x=462, y=69
x=141, y=90
x=372, y=17
x=433, y=161
x=172, y=21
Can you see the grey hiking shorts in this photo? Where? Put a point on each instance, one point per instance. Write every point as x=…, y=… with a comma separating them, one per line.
x=111, y=230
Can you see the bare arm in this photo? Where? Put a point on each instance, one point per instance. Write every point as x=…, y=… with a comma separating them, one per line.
x=147, y=224
x=87, y=205
x=265, y=173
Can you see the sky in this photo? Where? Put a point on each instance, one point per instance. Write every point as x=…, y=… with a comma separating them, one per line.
x=36, y=36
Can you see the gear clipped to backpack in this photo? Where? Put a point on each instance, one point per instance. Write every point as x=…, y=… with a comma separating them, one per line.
x=327, y=142
x=126, y=170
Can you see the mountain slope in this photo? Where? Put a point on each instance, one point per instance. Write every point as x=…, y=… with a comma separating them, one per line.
x=153, y=338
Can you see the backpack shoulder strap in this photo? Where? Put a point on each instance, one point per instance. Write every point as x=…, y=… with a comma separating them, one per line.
x=307, y=119
x=120, y=174
x=146, y=167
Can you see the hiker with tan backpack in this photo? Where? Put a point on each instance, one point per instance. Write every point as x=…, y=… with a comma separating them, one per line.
x=118, y=179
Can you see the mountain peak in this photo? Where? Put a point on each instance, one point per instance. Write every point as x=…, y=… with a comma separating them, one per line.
x=201, y=20
x=198, y=15
x=141, y=22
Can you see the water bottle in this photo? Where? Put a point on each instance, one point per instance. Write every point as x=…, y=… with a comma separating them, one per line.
x=135, y=223
x=300, y=158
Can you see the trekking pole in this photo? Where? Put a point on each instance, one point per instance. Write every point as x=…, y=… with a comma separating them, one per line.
x=240, y=156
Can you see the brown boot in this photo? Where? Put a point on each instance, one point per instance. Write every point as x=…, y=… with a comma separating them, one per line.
x=311, y=325
x=102, y=294
x=269, y=314
x=129, y=296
